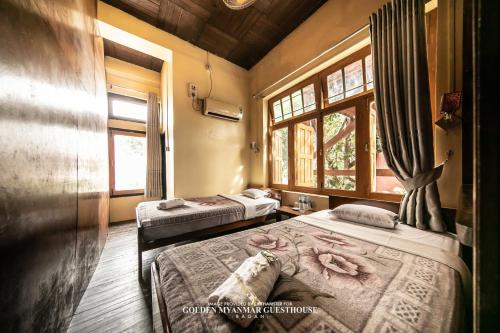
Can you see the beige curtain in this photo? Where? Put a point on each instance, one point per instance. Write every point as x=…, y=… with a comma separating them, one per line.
x=404, y=118
x=153, y=131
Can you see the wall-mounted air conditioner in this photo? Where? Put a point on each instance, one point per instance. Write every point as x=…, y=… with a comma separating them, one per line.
x=214, y=108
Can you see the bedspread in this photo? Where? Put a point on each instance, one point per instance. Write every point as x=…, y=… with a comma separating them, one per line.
x=196, y=214
x=354, y=285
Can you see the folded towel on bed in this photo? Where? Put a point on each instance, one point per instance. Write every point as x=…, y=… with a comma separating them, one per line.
x=171, y=203
x=249, y=286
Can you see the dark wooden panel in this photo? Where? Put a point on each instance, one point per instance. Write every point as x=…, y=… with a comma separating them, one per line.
x=132, y=56
x=486, y=121
x=216, y=41
x=51, y=108
x=242, y=36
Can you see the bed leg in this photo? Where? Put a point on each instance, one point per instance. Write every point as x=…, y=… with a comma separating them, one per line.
x=139, y=258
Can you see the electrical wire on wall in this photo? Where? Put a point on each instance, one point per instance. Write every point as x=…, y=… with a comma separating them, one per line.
x=209, y=70
x=197, y=103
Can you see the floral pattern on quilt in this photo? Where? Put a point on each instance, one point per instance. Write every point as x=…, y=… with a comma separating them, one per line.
x=356, y=286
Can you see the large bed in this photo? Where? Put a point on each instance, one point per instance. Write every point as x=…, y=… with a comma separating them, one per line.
x=199, y=217
x=400, y=280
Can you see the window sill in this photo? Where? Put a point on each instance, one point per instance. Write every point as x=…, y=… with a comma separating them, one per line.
x=122, y=194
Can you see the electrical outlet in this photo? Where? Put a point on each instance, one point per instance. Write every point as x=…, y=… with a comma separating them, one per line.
x=192, y=91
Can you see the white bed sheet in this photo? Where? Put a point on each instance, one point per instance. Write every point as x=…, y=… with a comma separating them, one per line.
x=444, y=241
x=254, y=207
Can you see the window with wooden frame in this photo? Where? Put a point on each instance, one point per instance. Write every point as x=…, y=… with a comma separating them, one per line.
x=382, y=178
x=325, y=146
x=127, y=108
x=127, y=162
x=348, y=77
x=297, y=101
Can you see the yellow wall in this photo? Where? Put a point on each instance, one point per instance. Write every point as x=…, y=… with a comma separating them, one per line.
x=211, y=156
x=334, y=21
x=134, y=81
x=121, y=75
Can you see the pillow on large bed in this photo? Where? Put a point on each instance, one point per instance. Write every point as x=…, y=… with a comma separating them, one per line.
x=368, y=215
x=254, y=193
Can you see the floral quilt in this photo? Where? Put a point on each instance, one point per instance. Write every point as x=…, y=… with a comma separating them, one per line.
x=353, y=285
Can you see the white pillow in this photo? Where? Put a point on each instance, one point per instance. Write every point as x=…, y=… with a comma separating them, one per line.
x=368, y=215
x=254, y=193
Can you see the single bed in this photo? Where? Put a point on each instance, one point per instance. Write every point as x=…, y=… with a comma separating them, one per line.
x=405, y=280
x=199, y=217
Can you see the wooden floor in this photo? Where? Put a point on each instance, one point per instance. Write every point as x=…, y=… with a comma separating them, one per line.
x=114, y=300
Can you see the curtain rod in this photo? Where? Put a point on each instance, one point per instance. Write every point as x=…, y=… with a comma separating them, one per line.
x=261, y=94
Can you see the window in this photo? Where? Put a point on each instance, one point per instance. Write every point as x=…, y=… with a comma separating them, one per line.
x=305, y=149
x=127, y=108
x=339, y=146
x=335, y=86
x=127, y=162
x=294, y=102
x=348, y=78
x=330, y=147
x=280, y=156
x=368, y=72
x=353, y=78
x=382, y=178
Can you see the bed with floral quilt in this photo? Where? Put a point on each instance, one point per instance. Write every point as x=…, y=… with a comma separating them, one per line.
x=356, y=278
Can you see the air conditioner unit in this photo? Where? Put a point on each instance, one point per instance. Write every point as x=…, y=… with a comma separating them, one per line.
x=214, y=108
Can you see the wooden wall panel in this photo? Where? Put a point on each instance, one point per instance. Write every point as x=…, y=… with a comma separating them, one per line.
x=53, y=165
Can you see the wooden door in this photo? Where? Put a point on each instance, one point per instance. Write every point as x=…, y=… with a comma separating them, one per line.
x=277, y=157
x=304, y=155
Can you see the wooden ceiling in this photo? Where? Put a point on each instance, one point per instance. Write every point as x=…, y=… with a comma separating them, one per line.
x=242, y=37
x=132, y=56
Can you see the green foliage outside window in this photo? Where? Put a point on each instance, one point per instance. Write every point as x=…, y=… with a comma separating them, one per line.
x=342, y=154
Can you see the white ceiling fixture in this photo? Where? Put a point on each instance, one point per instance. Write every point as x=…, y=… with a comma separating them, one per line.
x=238, y=4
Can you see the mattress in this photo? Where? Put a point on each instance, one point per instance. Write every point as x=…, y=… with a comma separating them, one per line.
x=197, y=214
x=354, y=283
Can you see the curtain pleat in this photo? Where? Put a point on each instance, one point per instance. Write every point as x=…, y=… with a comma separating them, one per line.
x=404, y=118
x=153, y=132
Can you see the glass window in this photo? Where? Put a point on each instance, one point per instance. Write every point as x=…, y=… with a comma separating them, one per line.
x=129, y=161
x=309, y=98
x=280, y=156
x=383, y=180
x=278, y=116
x=128, y=108
x=286, y=107
x=305, y=153
x=353, y=78
x=335, y=85
x=297, y=106
x=368, y=72
x=339, y=146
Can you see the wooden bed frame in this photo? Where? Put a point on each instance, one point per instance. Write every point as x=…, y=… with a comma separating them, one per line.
x=146, y=245
x=160, y=315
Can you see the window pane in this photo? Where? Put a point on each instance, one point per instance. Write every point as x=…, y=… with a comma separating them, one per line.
x=129, y=109
x=298, y=108
x=286, y=107
x=309, y=98
x=353, y=78
x=383, y=180
x=335, y=86
x=369, y=72
x=278, y=116
x=280, y=156
x=339, y=145
x=305, y=153
x=130, y=162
